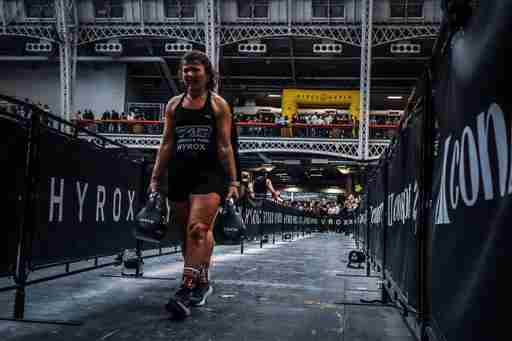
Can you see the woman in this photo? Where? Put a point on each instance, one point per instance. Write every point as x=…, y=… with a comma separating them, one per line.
x=197, y=152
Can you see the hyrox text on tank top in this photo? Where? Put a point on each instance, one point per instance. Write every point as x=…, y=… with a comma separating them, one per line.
x=195, y=136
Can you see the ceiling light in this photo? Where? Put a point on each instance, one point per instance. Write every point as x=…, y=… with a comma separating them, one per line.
x=334, y=190
x=395, y=97
x=268, y=167
x=292, y=189
x=343, y=170
x=274, y=95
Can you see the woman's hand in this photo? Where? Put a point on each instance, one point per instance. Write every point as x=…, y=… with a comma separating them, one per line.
x=232, y=193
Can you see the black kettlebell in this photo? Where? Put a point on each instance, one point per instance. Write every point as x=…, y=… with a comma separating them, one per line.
x=229, y=225
x=151, y=225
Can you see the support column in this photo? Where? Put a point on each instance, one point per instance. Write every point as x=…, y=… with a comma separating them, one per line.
x=3, y=16
x=349, y=185
x=366, y=58
x=66, y=13
x=212, y=35
x=141, y=11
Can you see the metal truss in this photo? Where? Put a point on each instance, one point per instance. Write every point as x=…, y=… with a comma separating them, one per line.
x=212, y=34
x=345, y=148
x=364, y=87
x=383, y=34
x=129, y=140
x=32, y=30
x=66, y=14
x=349, y=34
x=376, y=148
x=94, y=32
x=228, y=34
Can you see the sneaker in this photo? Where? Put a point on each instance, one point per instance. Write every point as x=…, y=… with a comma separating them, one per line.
x=199, y=294
x=179, y=305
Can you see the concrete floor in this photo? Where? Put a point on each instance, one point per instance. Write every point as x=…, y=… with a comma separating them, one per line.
x=284, y=291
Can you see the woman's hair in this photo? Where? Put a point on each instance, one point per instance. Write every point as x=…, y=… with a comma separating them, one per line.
x=198, y=57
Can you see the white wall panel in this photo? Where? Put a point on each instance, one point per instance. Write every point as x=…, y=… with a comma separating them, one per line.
x=100, y=87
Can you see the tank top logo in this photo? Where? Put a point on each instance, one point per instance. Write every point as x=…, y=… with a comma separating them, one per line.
x=193, y=138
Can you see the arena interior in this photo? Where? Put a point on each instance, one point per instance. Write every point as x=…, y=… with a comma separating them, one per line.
x=383, y=125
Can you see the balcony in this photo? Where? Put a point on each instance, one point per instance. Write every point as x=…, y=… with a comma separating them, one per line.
x=337, y=140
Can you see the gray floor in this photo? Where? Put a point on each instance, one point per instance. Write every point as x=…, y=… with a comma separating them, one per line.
x=286, y=291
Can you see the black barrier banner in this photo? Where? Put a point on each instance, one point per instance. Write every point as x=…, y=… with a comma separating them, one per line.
x=376, y=202
x=88, y=200
x=12, y=154
x=268, y=217
x=473, y=176
x=402, y=200
x=361, y=222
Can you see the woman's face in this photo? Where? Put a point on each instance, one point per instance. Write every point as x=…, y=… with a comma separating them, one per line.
x=194, y=76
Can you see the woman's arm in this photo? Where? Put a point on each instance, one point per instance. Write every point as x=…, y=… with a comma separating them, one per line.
x=164, y=152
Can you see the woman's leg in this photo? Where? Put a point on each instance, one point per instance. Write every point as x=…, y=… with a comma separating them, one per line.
x=182, y=213
x=200, y=242
x=198, y=249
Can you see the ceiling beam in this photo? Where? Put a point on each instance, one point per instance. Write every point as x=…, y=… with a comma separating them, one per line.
x=333, y=78
x=320, y=58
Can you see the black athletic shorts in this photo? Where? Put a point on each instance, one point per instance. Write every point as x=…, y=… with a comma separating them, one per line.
x=180, y=187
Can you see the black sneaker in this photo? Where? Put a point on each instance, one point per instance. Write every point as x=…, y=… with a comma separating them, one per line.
x=199, y=294
x=179, y=305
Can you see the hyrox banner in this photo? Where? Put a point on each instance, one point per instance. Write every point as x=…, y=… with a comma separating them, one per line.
x=88, y=200
x=267, y=217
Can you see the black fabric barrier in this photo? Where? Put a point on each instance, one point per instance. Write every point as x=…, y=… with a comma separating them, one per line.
x=332, y=222
x=446, y=265
x=12, y=154
x=473, y=176
x=361, y=222
x=89, y=197
x=266, y=217
x=376, y=202
x=402, y=209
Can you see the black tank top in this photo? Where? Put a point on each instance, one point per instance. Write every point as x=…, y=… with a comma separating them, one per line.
x=195, y=140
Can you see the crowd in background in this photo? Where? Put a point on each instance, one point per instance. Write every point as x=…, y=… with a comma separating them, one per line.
x=25, y=111
x=337, y=125
x=344, y=203
x=325, y=207
x=107, y=123
x=257, y=125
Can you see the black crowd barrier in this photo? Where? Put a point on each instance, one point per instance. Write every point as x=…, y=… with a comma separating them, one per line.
x=69, y=200
x=266, y=217
x=87, y=202
x=13, y=161
x=437, y=207
x=82, y=210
